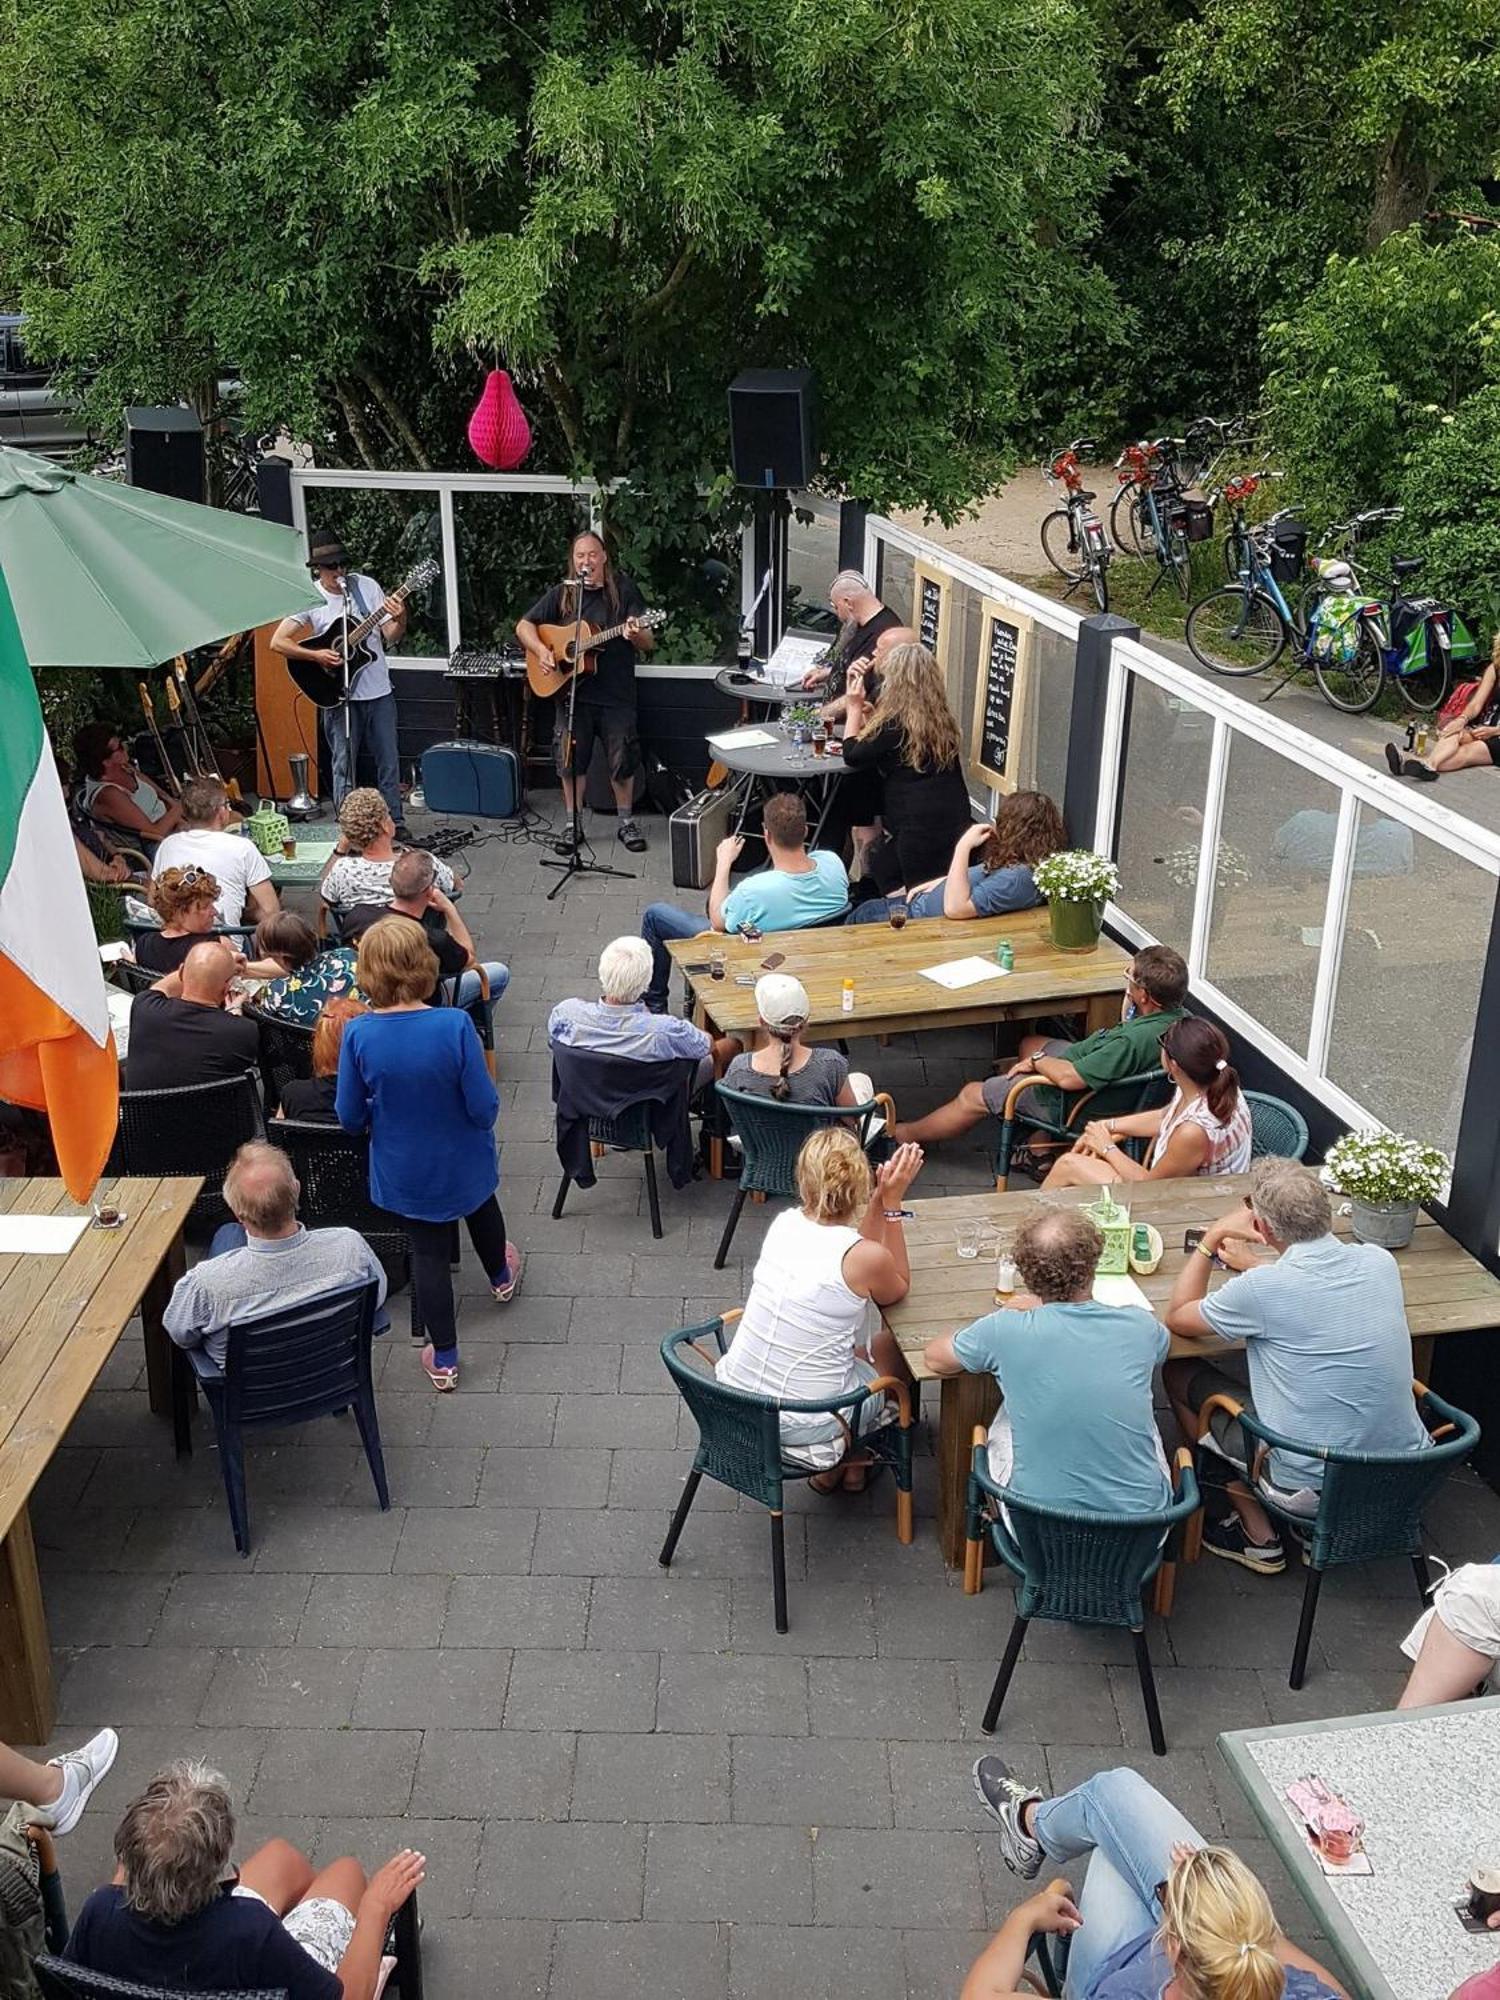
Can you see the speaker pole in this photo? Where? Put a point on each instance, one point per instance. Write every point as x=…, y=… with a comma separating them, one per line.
x=772, y=544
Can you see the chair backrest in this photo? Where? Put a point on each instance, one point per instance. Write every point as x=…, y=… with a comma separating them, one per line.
x=580, y=1074
x=285, y=1052
x=192, y=1128
x=243, y=935
x=739, y=1435
x=61, y=1979
x=303, y=1361
x=1141, y=1092
x=1275, y=1127
x=333, y=1167
x=772, y=1134
x=132, y=977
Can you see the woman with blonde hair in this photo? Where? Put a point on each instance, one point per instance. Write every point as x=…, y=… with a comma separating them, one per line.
x=414, y=1078
x=911, y=740
x=1164, y=1915
x=811, y=1328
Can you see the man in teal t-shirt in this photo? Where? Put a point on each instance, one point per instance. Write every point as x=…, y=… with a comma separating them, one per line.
x=1155, y=988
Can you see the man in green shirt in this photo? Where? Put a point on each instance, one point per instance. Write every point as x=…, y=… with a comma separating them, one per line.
x=1155, y=988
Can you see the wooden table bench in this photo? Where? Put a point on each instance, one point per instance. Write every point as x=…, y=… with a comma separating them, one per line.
x=890, y=995
x=60, y=1318
x=1447, y=1291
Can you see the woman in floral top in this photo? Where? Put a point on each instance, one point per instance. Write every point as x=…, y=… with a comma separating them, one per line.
x=310, y=976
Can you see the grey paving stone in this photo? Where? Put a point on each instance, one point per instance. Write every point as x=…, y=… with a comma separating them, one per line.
x=486, y=1417
x=339, y=1771
x=640, y=1321
x=833, y=1619
x=435, y=1474
x=729, y=1874
x=652, y=1479
x=284, y=1686
x=300, y=1540
x=467, y=1541
x=582, y=1691
x=146, y=1476
x=883, y=1698
x=606, y=1421
x=547, y=1611
x=494, y=1774
x=461, y=1958
x=167, y=1540
x=1194, y=1703
x=1328, y=1693
x=577, y=1870
x=745, y=1694
x=677, y=1614
x=816, y=1962
x=802, y=1781
x=450, y=1845
x=931, y=1783
x=865, y=1877
x=94, y=1608
x=932, y=1621
x=562, y=1368
x=656, y=1777
x=374, y=1611
x=671, y=1278
x=549, y=1273
x=545, y=1476
x=138, y=1684
x=641, y=1961
x=616, y=1543
x=937, y=1962
x=243, y=1610
x=643, y=1372
x=463, y=1687
x=1047, y=1703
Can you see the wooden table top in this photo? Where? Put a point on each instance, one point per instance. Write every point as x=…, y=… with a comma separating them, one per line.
x=1447, y=1290
x=61, y=1316
x=890, y=995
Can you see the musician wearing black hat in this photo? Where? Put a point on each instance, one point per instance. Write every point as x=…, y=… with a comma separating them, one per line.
x=367, y=720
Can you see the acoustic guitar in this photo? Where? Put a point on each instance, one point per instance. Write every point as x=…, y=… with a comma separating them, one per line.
x=558, y=639
x=329, y=686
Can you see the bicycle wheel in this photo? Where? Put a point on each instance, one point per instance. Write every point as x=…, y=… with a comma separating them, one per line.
x=1236, y=554
x=1180, y=562
x=1428, y=687
x=1059, y=545
x=1129, y=528
x=1352, y=685
x=1236, y=631
x=1098, y=578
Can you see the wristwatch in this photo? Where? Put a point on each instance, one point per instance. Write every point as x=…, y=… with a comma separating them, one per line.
x=899, y=1214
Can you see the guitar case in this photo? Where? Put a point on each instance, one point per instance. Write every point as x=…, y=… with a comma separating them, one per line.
x=482, y=779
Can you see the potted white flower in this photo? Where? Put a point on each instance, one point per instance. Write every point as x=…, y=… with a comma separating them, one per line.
x=1387, y=1177
x=1077, y=884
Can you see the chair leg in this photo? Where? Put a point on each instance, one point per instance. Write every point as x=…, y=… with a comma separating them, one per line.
x=778, y=1568
x=562, y=1195
x=973, y=1566
x=730, y=1226
x=1148, y=1693
x=1304, y=1628
x=367, y=1418
x=653, y=1198
x=406, y=1934
x=1002, y=1680
x=183, y=1398
x=679, y=1518
x=1164, y=1596
x=232, y=1453
x=1424, y=1579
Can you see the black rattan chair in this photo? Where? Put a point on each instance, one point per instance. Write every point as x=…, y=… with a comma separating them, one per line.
x=132, y=977
x=193, y=1128
x=285, y=1052
x=61, y=1979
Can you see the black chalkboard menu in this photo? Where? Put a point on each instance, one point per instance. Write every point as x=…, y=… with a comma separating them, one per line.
x=997, y=695
x=930, y=612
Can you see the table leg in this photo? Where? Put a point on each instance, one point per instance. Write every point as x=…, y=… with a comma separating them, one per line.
x=967, y=1400
x=830, y=788
x=1421, y=1357
x=157, y=1340
x=1103, y=1011
x=27, y=1699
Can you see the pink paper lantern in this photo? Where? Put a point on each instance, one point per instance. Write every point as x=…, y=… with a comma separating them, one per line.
x=498, y=431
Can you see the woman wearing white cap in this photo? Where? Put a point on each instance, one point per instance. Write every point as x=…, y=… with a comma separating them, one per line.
x=784, y=1067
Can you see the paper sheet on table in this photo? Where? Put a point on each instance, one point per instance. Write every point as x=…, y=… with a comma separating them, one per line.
x=40, y=1235
x=960, y=972
x=110, y=954
x=1120, y=1291
x=792, y=658
x=742, y=739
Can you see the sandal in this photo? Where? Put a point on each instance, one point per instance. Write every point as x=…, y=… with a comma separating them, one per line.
x=869, y=1470
x=442, y=1379
x=506, y=1290
x=835, y=1473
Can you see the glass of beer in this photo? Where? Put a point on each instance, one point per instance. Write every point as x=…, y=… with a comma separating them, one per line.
x=898, y=913
x=819, y=737
x=716, y=965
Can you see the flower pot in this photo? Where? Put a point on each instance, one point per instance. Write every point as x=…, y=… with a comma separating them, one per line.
x=1388, y=1223
x=1075, y=926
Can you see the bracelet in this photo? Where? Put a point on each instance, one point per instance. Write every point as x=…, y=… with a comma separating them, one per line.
x=899, y=1214
x=1204, y=1251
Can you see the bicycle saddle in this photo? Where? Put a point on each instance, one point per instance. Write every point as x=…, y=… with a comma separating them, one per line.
x=1406, y=565
x=1082, y=495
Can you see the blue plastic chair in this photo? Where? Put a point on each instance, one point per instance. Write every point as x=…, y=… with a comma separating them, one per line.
x=1275, y=1127
x=288, y=1367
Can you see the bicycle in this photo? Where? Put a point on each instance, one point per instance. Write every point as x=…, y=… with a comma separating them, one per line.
x=1242, y=628
x=1159, y=518
x=1408, y=640
x=1073, y=537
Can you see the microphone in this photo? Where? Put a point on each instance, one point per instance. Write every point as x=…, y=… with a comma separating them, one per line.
x=567, y=580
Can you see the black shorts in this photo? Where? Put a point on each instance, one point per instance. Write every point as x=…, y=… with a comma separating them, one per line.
x=1492, y=744
x=614, y=727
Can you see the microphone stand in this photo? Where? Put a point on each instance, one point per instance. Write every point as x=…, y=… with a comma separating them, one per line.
x=344, y=714
x=573, y=863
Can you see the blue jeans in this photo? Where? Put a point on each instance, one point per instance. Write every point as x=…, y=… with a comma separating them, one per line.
x=372, y=727
x=1129, y=1829
x=926, y=903
x=468, y=983
x=663, y=921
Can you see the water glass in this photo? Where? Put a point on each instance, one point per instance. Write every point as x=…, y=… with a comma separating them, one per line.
x=967, y=1236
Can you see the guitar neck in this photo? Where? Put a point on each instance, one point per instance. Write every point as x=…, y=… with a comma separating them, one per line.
x=371, y=619
x=610, y=632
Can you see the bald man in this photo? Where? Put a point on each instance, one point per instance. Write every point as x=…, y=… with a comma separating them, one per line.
x=180, y=1029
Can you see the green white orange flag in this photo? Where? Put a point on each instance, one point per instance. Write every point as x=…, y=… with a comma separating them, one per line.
x=56, y=1051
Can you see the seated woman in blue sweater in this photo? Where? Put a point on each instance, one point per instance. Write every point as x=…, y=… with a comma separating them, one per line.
x=414, y=1078
x=990, y=872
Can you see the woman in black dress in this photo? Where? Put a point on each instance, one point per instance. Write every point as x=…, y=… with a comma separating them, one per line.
x=911, y=739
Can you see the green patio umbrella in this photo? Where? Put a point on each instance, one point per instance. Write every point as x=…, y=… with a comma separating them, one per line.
x=106, y=575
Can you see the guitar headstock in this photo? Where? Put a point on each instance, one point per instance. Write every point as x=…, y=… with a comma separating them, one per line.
x=652, y=620
x=418, y=578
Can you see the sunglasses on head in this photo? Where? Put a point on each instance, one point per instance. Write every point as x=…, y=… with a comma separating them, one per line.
x=192, y=876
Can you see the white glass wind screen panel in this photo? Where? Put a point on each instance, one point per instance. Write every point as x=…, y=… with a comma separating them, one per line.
x=387, y=535
x=511, y=548
x=895, y=582
x=1271, y=870
x=1162, y=789
x=1413, y=958
x=1049, y=716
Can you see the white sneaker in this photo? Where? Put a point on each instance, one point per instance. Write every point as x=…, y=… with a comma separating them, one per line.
x=82, y=1769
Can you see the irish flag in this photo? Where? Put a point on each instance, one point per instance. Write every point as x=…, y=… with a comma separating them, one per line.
x=56, y=1052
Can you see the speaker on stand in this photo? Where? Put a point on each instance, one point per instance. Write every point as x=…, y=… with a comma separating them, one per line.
x=164, y=453
x=771, y=449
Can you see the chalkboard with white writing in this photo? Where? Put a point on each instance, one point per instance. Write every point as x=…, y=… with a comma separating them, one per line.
x=997, y=694
x=930, y=613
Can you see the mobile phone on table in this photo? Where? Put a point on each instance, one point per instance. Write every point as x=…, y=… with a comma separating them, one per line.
x=770, y=964
x=698, y=965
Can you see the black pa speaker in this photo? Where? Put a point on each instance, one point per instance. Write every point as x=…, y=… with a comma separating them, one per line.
x=164, y=452
x=273, y=489
x=771, y=427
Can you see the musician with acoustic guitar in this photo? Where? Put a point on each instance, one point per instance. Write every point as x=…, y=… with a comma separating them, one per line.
x=604, y=709
x=367, y=719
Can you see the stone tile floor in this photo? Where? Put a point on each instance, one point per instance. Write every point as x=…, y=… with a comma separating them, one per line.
x=624, y=1781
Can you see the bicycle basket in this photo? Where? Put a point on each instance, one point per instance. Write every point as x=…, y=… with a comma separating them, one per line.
x=1335, y=628
x=1288, y=551
x=1198, y=525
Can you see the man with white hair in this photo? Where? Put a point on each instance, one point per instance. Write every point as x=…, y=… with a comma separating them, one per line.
x=264, y=1260
x=862, y=619
x=1327, y=1352
x=619, y=1023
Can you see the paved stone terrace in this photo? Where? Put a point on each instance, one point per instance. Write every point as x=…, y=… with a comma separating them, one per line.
x=626, y=1783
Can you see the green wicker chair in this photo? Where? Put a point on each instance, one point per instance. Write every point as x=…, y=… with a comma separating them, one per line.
x=739, y=1442
x=1076, y=1567
x=1275, y=1127
x=1371, y=1503
x=1142, y=1092
x=772, y=1135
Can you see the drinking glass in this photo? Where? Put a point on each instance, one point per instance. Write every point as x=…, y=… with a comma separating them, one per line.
x=966, y=1236
x=716, y=965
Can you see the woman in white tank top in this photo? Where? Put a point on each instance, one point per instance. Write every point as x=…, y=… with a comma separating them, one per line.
x=1205, y=1129
x=811, y=1328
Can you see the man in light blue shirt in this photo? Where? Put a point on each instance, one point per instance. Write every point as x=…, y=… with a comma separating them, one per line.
x=1327, y=1351
x=620, y=1023
x=796, y=889
x=1077, y=1428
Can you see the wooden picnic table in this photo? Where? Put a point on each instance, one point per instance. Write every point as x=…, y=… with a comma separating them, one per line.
x=60, y=1318
x=1446, y=1290
x=890, y=995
